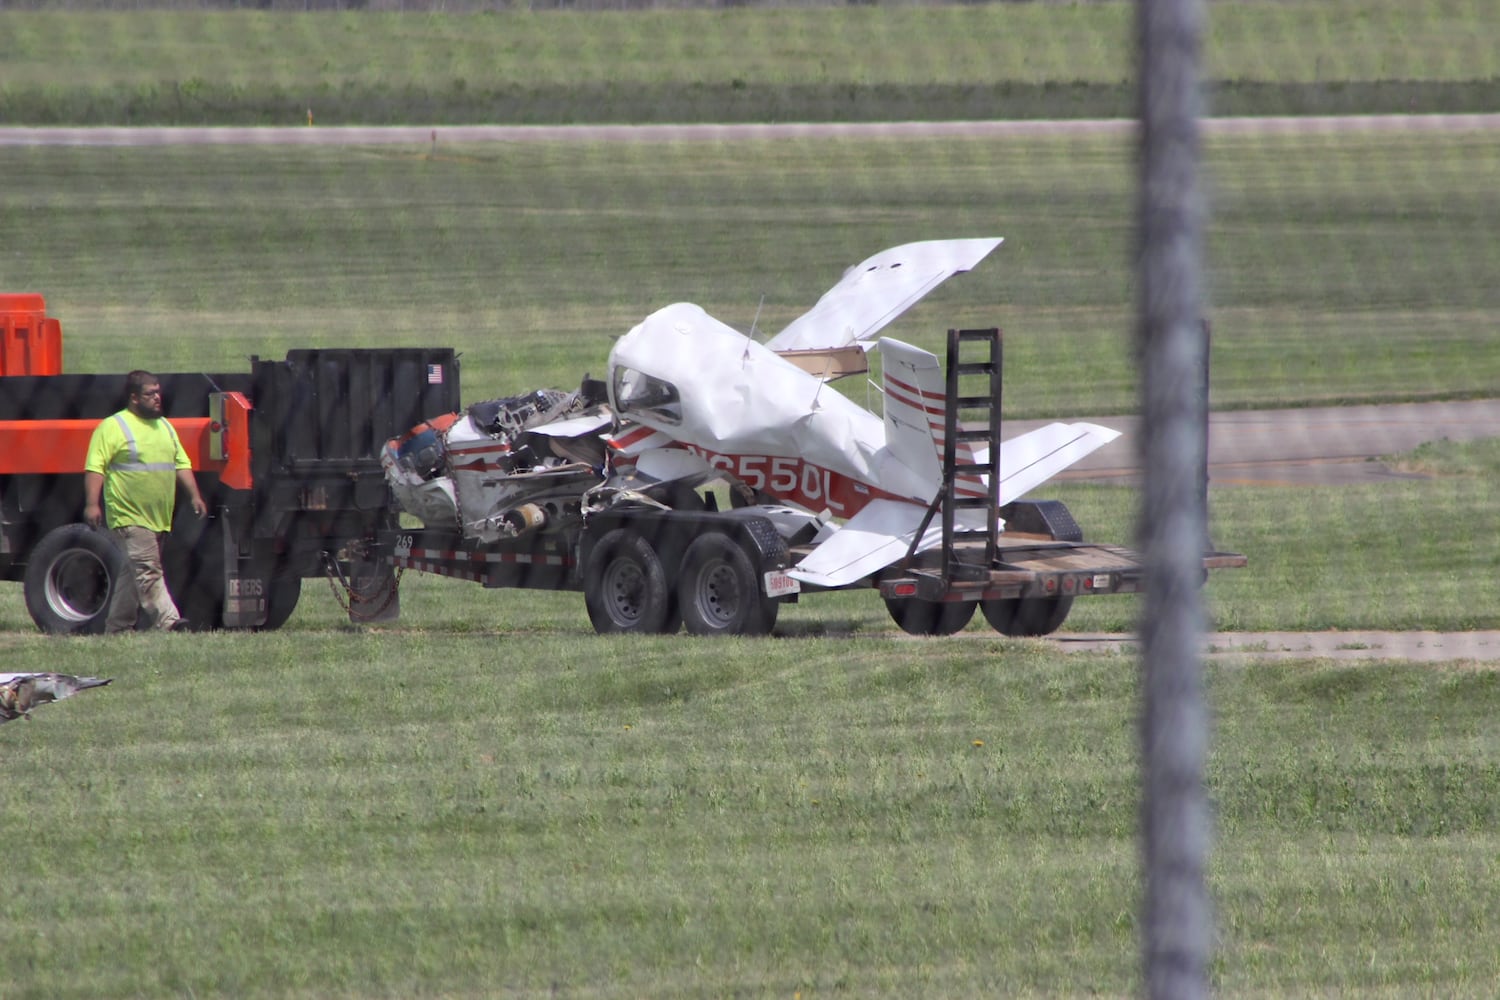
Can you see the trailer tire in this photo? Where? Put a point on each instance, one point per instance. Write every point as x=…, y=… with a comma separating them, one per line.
x=718, y=591
x=1022, y=617
x=919, y=617
x=70, y=578
x=625, y=587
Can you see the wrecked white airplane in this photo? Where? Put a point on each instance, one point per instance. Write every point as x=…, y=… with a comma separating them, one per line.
x=708, y=433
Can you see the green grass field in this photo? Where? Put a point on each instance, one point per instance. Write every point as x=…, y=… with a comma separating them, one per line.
x=429, y=812
x=1342, y=267
x=854, y=63
x=486, y=799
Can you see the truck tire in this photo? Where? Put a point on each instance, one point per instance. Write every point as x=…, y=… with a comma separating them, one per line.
x=625, y=587
x=285, y=592
x=918, y=617
x=70, y=577
x=194, y=568
x=718, y=592
x=1031, y=616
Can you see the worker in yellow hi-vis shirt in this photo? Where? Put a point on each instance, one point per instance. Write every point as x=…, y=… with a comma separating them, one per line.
x=135, y=464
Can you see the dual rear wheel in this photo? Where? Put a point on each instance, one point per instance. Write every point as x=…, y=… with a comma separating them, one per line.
x=717, y=589
x=1015, y=616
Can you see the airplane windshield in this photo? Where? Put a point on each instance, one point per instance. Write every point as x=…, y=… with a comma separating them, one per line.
x=637, y=393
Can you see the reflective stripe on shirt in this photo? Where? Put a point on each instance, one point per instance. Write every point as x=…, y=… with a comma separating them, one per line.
x=135, y=464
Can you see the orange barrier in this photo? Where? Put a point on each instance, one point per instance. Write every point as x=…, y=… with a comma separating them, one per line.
x=30, y=342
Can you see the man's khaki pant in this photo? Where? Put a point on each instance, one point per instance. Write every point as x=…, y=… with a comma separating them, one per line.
x=143, y=586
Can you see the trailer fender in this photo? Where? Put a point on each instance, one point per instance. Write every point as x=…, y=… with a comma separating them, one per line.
x=1041, y=517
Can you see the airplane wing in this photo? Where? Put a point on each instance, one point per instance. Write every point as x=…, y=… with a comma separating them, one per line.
x=1033, y=458
x=874, y=292
x=882, y=532
x=589, y=423
x=872, y=539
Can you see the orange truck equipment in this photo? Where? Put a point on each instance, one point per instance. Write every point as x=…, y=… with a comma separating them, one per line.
x=30, y=342
x=287, y=457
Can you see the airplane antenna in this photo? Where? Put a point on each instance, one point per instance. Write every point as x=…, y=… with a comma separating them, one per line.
x=750, y=337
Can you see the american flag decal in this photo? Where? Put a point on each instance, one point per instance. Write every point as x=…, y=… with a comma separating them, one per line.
x=434, y=374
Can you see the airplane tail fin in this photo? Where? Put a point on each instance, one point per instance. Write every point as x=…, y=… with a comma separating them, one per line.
x=915, y=386
x=915, y=398
x=916, y=402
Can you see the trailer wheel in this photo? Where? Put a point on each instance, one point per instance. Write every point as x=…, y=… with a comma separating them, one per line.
x=918, y=617
x=719, y=590
x=1032, y=616
x=625, y=587
x=70, y=577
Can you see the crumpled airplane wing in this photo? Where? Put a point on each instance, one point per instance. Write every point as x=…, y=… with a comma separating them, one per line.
x=588, y=423
x=20, y=693
x=882, y=532
x=871, y=540
x=874, y=292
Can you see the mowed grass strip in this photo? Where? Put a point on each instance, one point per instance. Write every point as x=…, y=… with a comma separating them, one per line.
x=1341, y=267
x=860, y=63
x=441, y=814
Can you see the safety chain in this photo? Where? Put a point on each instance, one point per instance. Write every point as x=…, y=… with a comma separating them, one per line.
x=337, y=579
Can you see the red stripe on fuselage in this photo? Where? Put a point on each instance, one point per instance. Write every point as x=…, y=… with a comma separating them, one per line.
x=795, y=481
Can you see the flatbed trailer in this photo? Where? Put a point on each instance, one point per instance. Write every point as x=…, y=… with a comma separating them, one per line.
x=678, y=560
x=654, y=586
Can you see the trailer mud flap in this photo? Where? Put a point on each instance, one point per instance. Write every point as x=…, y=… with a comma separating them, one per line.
x=246, y=592
x=244, y=600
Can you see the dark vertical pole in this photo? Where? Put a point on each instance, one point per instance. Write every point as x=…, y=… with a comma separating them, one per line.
x=1208, y=349
x=1174, y=830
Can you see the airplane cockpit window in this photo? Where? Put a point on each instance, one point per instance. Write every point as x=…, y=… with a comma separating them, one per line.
x=636, y=392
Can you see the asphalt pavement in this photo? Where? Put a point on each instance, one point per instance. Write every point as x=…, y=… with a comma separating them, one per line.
x=1330, y=445
x=1229, y=647
x=1326, y=446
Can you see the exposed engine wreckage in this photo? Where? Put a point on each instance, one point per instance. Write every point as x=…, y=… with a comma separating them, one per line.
x=505, y=467
x=690, y=402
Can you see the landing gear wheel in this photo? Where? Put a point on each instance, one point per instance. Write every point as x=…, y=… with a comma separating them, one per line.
x=719, y=590
x=1027, y=617
x=918, y=617
x=70, y=577
x=625, y=587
